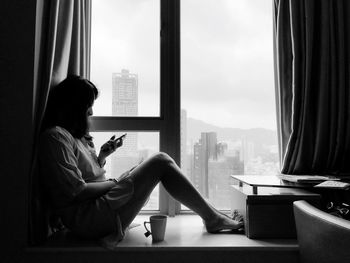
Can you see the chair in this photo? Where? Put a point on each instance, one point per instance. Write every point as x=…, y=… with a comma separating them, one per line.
x=322, y=237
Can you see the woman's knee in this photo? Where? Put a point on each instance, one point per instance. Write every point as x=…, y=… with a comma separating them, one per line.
x=162, y=159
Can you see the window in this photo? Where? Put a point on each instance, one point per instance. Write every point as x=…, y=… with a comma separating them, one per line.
x=133, y=63
x=125, y=57
x=224, y=121
x=227, y=93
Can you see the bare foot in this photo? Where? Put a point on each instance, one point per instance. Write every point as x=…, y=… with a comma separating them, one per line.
x=222, y=222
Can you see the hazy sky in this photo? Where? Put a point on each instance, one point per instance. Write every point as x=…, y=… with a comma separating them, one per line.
x=226, y=58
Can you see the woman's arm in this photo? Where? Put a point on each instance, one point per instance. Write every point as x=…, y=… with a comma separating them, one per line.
x=94, y=190
x=108, y=148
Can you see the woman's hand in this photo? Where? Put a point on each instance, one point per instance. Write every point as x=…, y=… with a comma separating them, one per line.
x=109, y=147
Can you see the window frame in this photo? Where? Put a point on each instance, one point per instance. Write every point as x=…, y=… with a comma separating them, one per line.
x=168, y=123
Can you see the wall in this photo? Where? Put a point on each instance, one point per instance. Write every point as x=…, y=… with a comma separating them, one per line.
x=17, y=36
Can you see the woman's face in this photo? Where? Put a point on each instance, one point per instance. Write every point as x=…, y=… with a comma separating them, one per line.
x=89, y=112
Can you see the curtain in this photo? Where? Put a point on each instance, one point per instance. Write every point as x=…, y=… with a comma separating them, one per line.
x=62, y=48
x=312, y=56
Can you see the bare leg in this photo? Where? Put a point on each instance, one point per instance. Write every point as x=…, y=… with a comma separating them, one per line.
x=161, y=168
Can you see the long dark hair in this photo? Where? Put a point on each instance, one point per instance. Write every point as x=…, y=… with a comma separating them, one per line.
x=68, y=103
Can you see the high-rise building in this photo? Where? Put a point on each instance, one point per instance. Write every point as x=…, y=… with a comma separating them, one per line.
x=125, y=103
x=219, y=181
x=248, y=150
x=183, y=146
x=212, y=166
x=196, y=174
x=238, y=164
x=203, y=150
x=124, y=94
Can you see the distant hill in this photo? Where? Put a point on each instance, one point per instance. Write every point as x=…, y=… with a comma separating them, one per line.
x=195, y=127
x=258, y=136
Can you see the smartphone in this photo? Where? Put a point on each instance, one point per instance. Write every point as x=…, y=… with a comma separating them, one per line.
x=107, y=147
x=121, y=137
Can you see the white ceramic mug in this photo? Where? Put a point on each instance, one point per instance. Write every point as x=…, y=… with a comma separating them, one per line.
x=158, y=226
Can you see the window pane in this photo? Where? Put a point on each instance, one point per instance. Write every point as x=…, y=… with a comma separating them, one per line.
x=137, y=146
x=227, y=89
x=125, y=58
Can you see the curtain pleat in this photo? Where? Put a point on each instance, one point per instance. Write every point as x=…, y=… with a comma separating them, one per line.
x=312, y=57
x=78, y=60
x=283, y=60
x=63, y=48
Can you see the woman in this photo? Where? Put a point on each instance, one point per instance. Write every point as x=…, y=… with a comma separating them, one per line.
x=74, y=177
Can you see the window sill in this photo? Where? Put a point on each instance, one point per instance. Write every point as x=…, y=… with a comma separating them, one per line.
x=185, y=234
